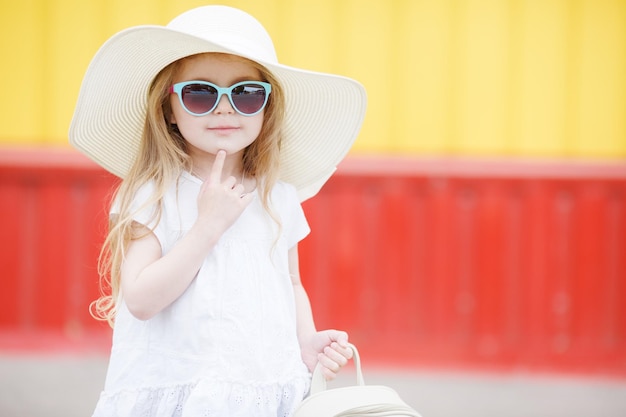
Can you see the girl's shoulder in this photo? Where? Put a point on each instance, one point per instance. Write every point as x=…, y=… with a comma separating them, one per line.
x=285, y=192
x=126, y=197
x=284, y=188
x=143, y=197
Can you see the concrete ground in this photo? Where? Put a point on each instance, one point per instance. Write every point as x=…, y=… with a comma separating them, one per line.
x=66, y=386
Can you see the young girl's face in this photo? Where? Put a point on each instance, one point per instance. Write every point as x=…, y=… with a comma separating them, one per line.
x=223, y=128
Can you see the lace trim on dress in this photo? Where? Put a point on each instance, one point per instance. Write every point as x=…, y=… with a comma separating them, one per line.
x=205, y=398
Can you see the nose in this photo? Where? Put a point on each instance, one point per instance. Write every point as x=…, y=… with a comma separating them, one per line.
x=223, y=106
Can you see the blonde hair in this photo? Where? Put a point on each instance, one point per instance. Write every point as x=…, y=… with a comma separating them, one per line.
x=161, y=158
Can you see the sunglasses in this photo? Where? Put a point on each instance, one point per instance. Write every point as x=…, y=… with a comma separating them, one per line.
x=200, y=97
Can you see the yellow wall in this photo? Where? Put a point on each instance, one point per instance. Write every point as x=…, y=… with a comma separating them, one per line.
x=475, y=77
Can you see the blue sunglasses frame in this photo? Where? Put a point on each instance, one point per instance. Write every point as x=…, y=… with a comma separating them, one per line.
x=178, y=90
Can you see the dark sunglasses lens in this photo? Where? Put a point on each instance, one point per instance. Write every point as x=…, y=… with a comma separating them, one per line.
x=248, y=98
x=199, y=98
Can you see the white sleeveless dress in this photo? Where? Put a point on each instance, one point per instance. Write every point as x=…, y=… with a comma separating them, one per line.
x=228, y=346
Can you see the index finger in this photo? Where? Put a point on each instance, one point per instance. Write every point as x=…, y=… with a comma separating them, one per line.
x=216, y=170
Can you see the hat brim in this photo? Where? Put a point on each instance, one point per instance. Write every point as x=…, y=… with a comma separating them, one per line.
x=324, y=112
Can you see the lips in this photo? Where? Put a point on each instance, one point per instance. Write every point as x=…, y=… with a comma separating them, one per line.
x=223, y=129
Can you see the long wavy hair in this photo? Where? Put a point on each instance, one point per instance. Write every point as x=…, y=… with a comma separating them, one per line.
x=161, y=159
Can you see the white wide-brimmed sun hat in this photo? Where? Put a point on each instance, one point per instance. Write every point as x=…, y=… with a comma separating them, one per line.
x=324, y=112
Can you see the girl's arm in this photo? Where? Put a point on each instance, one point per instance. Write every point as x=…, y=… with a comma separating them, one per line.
x=328, y=347
x=151, y=281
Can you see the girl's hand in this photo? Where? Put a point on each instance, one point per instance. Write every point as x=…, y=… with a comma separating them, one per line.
x=330, y=349
x=220, y=203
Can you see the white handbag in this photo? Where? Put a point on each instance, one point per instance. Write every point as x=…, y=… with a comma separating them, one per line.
x=359, y=400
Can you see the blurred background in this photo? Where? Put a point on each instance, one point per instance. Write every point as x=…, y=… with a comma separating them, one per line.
x=473, y=243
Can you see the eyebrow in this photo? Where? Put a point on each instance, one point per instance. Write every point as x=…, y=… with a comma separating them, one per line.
x=234, y=81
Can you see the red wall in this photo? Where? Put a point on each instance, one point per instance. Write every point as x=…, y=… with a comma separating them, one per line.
x=474, y=263
x=52, y=217
x=424, y=262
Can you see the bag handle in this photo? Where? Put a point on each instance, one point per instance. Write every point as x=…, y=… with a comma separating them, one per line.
x=318, y=381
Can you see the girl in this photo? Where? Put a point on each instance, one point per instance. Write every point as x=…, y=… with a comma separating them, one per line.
x=217, y=143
